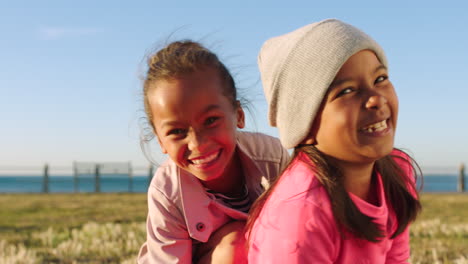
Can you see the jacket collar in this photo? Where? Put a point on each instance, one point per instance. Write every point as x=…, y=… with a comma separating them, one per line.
x=196, y=204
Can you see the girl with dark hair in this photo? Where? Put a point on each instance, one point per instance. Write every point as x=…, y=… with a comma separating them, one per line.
x=347, y=196
x=199, y=198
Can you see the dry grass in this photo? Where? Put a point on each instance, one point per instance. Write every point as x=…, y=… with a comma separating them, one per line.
x=440, y=234
x=109, y=228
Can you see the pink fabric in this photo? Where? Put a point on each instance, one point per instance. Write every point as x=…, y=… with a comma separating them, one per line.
x=182, y=215
x=297, y=225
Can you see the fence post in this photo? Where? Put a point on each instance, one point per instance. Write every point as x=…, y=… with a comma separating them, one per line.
x=45, y=183
x=150, y=173
x=96, y=179
x=461, y=178
x=130, y=177
x=75, y=177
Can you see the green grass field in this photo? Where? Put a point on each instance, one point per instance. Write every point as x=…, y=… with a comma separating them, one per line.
x=109, y=228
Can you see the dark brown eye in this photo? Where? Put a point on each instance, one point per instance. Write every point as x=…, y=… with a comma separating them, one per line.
x=176, y=131
x=345, y=91
x=211, y=120
x=381, y=78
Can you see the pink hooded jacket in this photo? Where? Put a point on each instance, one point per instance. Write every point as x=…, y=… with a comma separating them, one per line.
x=181, y=214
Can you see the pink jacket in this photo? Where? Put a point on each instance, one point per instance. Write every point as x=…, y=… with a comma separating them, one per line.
x=297, y=225
x=180, y=212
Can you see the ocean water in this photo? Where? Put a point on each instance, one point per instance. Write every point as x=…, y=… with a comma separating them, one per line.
x=139, y=184
x=441, y=183
x=66, y=184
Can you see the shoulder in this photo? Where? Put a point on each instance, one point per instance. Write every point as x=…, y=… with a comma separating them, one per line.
x=297, y=190
x=296, y=221
x=260, y=146
x=409, y=169
x=400, y=155
x=165, y=180
x=403, y=160
x=298, y=212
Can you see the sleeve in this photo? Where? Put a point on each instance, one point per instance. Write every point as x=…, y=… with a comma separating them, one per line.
x=168, y=240
x=400, y=250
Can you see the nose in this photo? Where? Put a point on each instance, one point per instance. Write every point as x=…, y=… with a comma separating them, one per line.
x=375, y=101
x=197, y=140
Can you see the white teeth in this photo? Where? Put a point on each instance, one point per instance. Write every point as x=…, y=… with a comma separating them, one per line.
x=205, y=160
x=380, y=126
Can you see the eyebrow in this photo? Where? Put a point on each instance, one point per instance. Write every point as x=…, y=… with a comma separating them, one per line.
x=381, y=67
x=209, y=108
x=339, y=82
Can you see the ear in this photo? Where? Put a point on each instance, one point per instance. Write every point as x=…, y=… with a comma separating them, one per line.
x=310, y=139
x=240, y=116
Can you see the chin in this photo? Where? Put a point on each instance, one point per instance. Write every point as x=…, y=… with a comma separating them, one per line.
x=207, y=178
x=382, y=153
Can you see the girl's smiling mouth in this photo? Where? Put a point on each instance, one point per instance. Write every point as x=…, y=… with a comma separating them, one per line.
x=375, y=127
x=205, y=160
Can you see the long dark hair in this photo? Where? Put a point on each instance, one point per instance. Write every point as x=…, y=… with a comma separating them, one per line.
x=399, y=190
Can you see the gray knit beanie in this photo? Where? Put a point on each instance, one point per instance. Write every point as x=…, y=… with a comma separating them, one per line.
x=297, y=68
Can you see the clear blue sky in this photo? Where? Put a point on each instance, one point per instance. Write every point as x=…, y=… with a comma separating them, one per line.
x=69, y=70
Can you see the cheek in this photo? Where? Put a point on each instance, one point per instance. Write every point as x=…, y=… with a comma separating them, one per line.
x=395, y=112
x=339, y=119
x=171, y=148
x=226, y=135
x=393, y=103
x=396, y=104
x=393, y=97
x=335, y=125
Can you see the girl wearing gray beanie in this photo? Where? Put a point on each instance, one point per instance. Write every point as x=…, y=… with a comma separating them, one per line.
x=347, y=196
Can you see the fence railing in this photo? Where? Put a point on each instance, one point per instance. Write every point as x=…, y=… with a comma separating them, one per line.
x=80, y=177
x=124, y=177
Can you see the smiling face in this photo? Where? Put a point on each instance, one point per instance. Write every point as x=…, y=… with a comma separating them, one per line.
x=196, y=122
x=359, y=113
